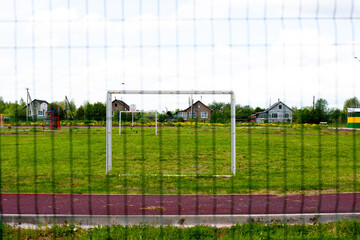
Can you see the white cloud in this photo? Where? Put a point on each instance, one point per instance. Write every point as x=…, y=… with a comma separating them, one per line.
x=297, y=63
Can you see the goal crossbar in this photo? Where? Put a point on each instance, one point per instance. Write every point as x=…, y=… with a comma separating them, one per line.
x=132, y=120
x=169, y=92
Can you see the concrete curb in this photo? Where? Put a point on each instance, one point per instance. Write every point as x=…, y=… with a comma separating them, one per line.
x=86, y=221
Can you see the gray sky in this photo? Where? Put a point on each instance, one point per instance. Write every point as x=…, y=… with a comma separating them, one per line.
x=261, y=49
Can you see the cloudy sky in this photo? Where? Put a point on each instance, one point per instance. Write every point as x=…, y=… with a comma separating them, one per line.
x=264, y=50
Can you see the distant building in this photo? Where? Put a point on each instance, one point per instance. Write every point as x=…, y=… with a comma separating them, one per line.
x=37, y=109
x=197, y=110
x=119, y=105
x=353, y=118
x=278, y=112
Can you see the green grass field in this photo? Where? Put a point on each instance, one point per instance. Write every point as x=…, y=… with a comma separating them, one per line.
x=273, y=159
x=337, y=230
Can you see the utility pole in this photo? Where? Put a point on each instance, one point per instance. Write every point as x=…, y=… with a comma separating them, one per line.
x=27, y=104
x=313, y=102
x=191, y=106
x=67, y=103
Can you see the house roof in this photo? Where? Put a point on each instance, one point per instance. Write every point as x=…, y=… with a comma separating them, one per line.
x=121, y=102
x=198, y=101
x=37, y=100
x=275, y=104
x=353, y=109
x=40, y=101
x=271, y=107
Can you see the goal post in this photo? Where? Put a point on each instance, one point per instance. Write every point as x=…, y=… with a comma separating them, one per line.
x=176, y=92
x=133, y=118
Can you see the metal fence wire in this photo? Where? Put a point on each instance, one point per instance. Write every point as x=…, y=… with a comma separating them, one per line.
x=172, y=119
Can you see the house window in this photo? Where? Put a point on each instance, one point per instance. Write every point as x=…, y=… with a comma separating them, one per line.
x=40, y=113
x=115, y=104
x=280, y=106
x=286, y=115
x=198, y=105
x=274, y=115
x=193, y=115
x=204, y=115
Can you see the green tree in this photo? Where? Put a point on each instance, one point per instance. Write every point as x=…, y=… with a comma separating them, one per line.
x=321, y=111
x=80, y=112
x=221, y=112
x=258, y=109
x=99, y=111
x=162, y=117
x=54, y=106
x=89, y=111
x=70, y=108
x=318, y=113
x=304, y=115
x=2, y=105
x=337, y=115
x=11, y=110
x=243, y=112
x=22, y=109
x=351, y=103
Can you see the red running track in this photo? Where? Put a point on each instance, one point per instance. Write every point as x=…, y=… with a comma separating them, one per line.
x=83, y=204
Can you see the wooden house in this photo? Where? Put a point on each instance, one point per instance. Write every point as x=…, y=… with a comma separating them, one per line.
x=278, y=112
x=119, y=105
x=37, y=109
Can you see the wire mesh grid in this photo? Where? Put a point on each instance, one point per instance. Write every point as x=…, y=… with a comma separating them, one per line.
x=292, y=65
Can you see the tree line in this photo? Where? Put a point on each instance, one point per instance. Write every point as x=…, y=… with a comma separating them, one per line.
x=320, y=112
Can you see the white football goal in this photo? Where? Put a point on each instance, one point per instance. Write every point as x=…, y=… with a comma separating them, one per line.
x=155, y=92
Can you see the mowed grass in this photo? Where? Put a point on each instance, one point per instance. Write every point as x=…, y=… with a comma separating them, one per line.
x=269, y=160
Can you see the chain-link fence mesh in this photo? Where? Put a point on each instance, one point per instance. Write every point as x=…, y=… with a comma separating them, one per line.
x=292, y=66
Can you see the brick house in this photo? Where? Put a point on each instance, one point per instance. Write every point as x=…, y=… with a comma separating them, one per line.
x=119, y=105
x=197, y=110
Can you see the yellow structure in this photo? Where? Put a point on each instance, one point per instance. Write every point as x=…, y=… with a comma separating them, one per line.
x=353, y=120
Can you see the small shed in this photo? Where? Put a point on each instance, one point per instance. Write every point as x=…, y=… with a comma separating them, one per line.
x=353, y=117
